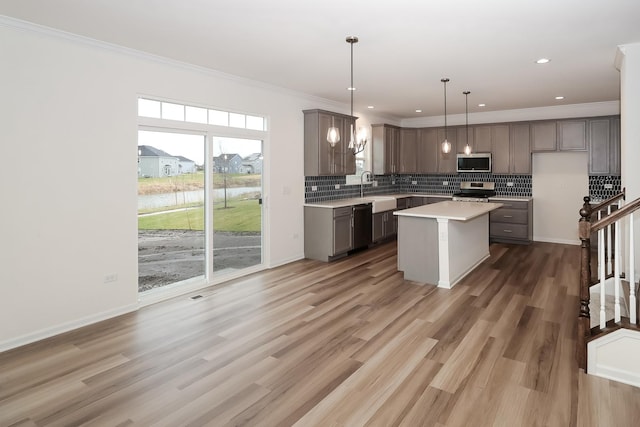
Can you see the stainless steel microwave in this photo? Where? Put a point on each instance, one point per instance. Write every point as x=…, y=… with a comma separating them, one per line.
x=475, y=162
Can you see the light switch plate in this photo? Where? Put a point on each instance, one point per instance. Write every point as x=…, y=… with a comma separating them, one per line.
x=337, y=186
x=509, y=184
x=314, y=188
x=414, y=182
x=445, y=182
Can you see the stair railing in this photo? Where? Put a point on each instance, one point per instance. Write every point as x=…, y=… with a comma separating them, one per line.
x=608, y=222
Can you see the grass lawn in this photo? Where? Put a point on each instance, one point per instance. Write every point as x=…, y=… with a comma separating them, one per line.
x=195, y=181
x=239, y=216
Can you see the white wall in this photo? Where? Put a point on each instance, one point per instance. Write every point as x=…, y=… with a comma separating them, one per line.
x=559, y=182
x=69, y=187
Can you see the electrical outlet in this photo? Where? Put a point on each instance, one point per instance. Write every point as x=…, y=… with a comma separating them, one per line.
x=509, y=184
x=375, y=183
x=608, y=186
x=314, y=188
x=445, y=182
x=337, y=186
x=109, y=278
x=414, y=182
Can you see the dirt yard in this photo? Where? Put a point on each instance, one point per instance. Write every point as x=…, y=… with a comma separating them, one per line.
x=168, y=256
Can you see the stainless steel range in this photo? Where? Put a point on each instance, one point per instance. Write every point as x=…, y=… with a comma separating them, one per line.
x=471, y=191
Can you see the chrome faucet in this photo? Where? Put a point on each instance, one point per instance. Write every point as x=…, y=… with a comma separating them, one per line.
x=368, y=173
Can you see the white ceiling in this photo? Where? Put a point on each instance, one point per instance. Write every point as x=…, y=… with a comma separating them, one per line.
x=406, y=46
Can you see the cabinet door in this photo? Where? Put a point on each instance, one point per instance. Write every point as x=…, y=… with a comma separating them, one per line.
x=377, y=221
x=326, y=153
x=428, y=150
x=461, y=136
x=408, y=151
x=599, y=146
x=482, y=139
x=572, y=135
x=342, y=234
x=500, y=150
x=520, y=149
x=447, y=163
x=543, y=136
x=348, y=159
x=614, y=147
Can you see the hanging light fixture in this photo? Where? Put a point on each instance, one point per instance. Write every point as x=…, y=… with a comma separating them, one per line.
x=446, y=145
x=333, y=134
x=357, y=138
x=467, y=148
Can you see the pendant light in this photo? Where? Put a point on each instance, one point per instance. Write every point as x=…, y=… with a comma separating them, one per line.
x=333, y=134
x=467, y=148
x=357, y=139
x=446, y=145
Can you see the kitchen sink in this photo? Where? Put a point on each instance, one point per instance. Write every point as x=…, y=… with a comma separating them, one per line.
x=382, y=203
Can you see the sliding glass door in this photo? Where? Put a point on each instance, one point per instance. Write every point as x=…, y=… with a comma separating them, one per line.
x=171, y=208
x=237, y=204
x=199, y=215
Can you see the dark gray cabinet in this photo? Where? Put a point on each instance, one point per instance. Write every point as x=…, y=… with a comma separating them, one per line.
x=386, y=149
x=544, y=136
x=512, y=223
x=572, y=135
x=328, y=233
x=482, y=139
x=520, y=149
x=604, y=146
x=500, y=149
x=408, y=151
x=447, y=163
x=384, y=226
x=428, y=150
x=320, y=159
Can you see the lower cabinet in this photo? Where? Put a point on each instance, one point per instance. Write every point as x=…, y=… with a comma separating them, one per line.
x=385, y=225
x=322, y=245
x=512, y=223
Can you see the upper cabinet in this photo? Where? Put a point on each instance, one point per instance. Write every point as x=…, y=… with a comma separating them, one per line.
x=559, y=135
x=447, y=163
x=544, y=136
x=320, y=159
x=520, y=147
x=482, y=139
x=408, y=156
x=604, y=146
x=428, y=150
x=572, y=135
x=386, y=149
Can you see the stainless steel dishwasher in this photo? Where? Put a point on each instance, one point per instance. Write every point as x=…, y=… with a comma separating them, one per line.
x=361, y=226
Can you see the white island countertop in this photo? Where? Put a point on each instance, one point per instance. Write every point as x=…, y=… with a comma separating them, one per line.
x=456, y=211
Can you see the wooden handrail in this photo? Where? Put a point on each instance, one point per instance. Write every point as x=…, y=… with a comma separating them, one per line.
x=605, y=203
x=616, y=215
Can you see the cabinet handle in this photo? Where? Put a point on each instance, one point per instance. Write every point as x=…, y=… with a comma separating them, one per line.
x=507, y=231
x=508, y=216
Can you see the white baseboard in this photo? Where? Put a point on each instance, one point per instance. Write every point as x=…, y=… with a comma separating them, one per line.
x=65, y=327
x=613, y=356
x=280, y=262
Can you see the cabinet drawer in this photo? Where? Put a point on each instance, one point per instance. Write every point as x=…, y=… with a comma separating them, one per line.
x=513, y=216
x=511, y=231
x=344, y=211
x=509, y=204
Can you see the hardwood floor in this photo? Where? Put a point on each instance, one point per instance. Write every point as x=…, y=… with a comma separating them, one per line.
x=348, y=343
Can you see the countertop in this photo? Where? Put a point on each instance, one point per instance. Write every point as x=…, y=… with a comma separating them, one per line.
x=457, y=211
x=339, y=203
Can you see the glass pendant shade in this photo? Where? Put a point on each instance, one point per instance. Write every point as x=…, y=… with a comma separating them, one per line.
x=446, y=146
x=333, y=136
x=467, y=149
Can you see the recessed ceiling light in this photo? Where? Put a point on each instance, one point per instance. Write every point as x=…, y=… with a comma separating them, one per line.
x=559, y=97
x=543, y=61
x=418, y=111
x=482, y=105
x=371, y=107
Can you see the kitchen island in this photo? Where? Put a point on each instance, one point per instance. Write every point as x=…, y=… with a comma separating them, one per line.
x=442, y=242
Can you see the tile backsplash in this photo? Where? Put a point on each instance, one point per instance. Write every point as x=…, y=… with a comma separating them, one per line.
x=601, y=187
x=325, y=186
x=506, y=185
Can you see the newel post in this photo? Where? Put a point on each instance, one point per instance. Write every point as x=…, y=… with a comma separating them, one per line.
x=584, y=317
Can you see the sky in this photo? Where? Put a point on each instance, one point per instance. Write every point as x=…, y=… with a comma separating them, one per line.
x=192, y=146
